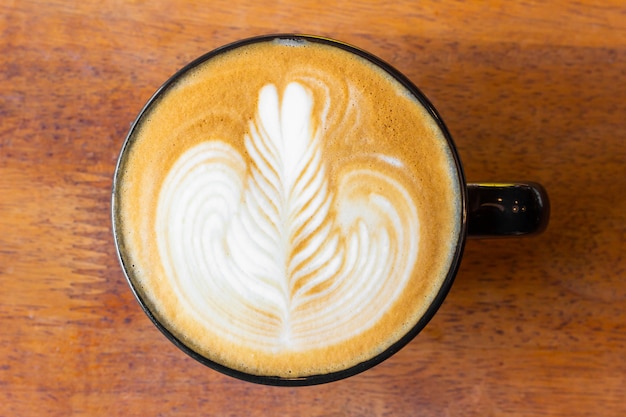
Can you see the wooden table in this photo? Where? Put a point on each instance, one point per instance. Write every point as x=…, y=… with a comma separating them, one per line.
x=532, y=327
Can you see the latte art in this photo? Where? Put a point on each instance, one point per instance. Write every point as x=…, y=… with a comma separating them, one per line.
x=286, y=208
x=267, y=255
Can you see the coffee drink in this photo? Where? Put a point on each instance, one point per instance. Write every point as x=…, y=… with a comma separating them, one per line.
x=287, y=208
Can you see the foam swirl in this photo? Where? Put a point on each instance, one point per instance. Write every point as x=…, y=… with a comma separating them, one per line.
x=268, y=253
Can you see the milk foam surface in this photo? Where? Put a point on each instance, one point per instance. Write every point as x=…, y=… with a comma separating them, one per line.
x=287, y=209
x=259, y=254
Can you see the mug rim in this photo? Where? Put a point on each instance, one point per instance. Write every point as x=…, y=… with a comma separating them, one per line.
x=446, y=283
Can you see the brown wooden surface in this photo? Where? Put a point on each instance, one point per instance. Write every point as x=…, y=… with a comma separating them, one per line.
x=534, y=90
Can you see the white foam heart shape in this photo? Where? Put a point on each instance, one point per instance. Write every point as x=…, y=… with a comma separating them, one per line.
x=267, y=254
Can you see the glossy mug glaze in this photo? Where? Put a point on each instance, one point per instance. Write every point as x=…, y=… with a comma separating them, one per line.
x=291, y=210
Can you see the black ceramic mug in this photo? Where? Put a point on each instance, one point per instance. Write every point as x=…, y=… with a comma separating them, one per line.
x=291, y=210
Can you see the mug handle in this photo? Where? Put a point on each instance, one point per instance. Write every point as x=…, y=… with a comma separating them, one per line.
x=506, y=209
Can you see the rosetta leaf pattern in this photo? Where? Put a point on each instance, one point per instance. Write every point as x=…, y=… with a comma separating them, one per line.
x=265, y=252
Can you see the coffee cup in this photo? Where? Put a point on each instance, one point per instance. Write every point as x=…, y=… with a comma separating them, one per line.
x=292, y=210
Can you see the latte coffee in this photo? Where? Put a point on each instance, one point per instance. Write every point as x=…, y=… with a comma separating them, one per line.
x=287, y=207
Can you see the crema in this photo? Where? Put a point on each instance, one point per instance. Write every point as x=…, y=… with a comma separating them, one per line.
x=287, y=208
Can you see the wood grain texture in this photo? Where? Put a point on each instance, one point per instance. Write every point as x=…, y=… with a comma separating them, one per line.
x=531, y=90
